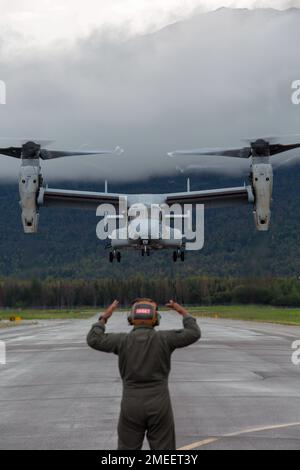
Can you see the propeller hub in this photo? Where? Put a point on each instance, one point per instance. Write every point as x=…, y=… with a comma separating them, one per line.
x=260, y=148
x=30, y=151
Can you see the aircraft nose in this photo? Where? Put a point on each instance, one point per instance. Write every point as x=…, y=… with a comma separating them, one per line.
x=151, y=230
x=144, y=230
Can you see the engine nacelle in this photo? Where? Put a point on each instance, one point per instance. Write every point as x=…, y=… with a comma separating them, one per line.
x=29, y=183
x=262, y=183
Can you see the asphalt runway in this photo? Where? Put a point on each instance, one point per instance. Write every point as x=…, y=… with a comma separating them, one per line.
x=235, y=389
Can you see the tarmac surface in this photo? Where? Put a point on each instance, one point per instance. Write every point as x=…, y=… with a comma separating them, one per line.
x=235, y=389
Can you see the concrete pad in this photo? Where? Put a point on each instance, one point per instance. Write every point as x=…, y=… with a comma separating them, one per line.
x=235, y=389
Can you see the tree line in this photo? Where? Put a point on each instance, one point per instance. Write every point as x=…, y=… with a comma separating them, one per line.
x=192, y=290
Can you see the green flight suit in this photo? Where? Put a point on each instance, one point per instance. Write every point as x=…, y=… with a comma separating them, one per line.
x=144, y=364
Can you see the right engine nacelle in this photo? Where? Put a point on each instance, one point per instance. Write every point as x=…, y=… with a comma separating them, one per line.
x=262, y=183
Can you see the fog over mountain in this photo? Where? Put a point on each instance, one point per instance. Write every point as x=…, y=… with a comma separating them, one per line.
x=206, y=81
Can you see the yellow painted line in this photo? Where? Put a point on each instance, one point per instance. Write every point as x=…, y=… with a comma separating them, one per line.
x=205, y=442
x=211, y=440
x=263, y=428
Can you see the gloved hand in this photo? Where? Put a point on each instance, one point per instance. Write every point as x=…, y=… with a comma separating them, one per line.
x=109, y=311
x=177, y=307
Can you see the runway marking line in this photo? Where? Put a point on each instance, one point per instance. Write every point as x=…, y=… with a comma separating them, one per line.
x=211, y=440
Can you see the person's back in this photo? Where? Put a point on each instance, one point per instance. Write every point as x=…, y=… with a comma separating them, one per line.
x=144, y=358
x=144, y=364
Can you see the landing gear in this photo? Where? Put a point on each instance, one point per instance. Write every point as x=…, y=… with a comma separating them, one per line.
x=178, y=254
x=115, y=255
x=145, y=251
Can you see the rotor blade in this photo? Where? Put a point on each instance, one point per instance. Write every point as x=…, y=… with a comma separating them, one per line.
x=278, y=144
x=217, y=152
x=51, y=154
x=12, y=147
x=20, y=141
x=11, y=152
x=276, y=139
x=278, y=148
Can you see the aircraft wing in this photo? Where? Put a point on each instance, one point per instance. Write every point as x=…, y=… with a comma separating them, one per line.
x=76, y=199
x=91, y=200
x=213, y=197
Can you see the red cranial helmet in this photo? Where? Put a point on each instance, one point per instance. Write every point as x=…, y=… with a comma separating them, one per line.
x=144, y=312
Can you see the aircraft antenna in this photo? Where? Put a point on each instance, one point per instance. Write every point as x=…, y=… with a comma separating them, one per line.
x=188, y=185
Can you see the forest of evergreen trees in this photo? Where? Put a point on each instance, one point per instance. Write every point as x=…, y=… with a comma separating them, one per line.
x=193, y=290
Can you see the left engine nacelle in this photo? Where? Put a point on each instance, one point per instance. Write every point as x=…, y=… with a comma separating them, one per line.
x=29, y=183
x=262, y=183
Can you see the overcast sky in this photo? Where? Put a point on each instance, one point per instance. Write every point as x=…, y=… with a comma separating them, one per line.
x=43, y=21
x=211, y=79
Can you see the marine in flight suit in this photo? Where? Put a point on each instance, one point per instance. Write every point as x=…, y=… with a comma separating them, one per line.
x=144, y=365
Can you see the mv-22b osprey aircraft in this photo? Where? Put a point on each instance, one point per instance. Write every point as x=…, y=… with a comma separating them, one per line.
x=35, y=195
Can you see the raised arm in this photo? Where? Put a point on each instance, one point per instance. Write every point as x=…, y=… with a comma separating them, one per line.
x=186, y=336
x=106, y=342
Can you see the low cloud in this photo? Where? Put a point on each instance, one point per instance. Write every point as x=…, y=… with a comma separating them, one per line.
x=207, y=81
